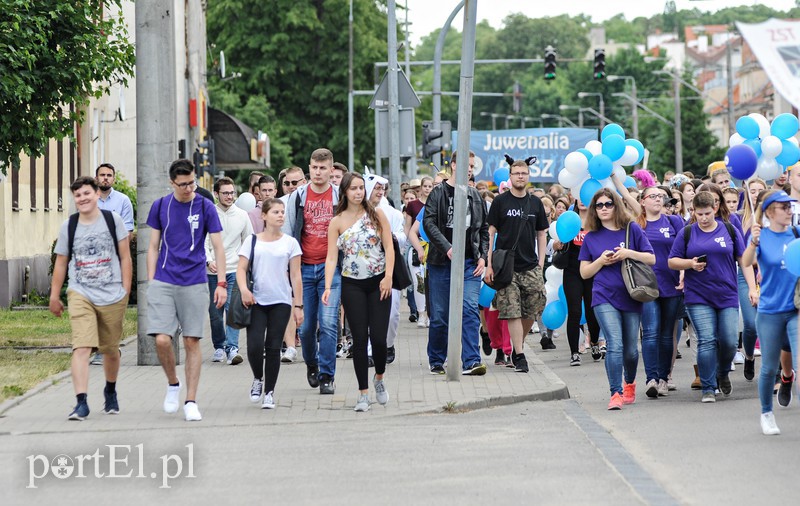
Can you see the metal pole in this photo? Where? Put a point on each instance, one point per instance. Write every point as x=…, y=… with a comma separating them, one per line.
x=394, y=108
x=156, y=138
x=603, y=111
x=580, y=118
x=729, y=72
x=350, y=114
x=635, y=110
x=678, y=133
x=437, y=78
x=494, y=124
x=460, y=201
x=411, y=165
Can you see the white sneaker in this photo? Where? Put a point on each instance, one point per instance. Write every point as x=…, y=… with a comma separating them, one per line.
x=290, y=355
x=172, y=400
x=663, y=388
x=255, y=390
x=738, y=358
x=381, y=395
x=733, y=366
x=757, y=352
x=269, y=401
x=363, y=403
x=219, y=355
x=535, y=327
x=421, y=322
x=768, y=425
x=233, y=357
x=191, y=413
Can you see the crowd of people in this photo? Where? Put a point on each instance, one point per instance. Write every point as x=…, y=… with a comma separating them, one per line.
x=321, y=248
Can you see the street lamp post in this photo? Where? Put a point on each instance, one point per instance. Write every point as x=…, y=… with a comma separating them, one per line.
x=561, y=120
x=635, y=117
x=584, y=94
x=565, y=107
x=676, y=124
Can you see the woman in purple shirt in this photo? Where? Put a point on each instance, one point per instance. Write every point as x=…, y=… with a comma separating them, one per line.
x=658, y=316
x=619, y=316
x=709, y=259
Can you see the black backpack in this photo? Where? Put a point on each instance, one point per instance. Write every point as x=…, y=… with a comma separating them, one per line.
x=687, y=233
x=73, y=226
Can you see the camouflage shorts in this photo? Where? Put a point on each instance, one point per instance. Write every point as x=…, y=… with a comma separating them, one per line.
x=524, y=297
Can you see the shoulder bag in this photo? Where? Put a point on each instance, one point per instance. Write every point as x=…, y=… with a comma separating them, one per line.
x=238, y=314
x=640, y=279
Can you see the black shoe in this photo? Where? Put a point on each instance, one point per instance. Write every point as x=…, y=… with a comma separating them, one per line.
x=500, y=359
x=312, y=376
x=749, y=369
x=486, y=343
x=390, y=354
x=111, y=406
x=725, y=386
x=349, y=352
x=678, y=355
x=547, y=343
x=326, y=385
x=370, y=362
x=785, y=390
x=521, y=363
x=509, y=364
x=80, y=412
x=596, y=356
x=437, y=369
x=413, y=317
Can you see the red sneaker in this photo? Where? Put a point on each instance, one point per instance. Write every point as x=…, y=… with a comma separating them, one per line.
x=629, y=393
x=615, y=403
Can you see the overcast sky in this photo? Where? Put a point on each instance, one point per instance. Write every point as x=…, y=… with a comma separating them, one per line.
x=426, y=16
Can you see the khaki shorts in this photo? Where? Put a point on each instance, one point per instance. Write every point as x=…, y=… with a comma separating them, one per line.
x=95, y=326
x=523, y=298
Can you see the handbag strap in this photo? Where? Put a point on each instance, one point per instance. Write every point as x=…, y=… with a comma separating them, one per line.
x=627, y=234
x=514, y=247
x=250, y=260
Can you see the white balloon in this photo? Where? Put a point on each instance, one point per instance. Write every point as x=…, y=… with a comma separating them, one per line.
x=554, y=274
x=771, y=146
x=735, y=140
x=619, y=171
x=608, y=183
x=552, y=296
x=768, y=169
x=576, y=163
x=763, y=124
x=594, y=147
x=553, y=233
x=630, y=156
x=793, y=140
x=246, y=201
x=569, y=179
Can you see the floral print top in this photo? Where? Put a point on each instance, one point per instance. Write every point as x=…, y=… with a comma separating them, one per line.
x=362, y=252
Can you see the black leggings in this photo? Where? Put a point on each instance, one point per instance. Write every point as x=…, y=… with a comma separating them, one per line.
x=369, y=320
x=575, y=289
x=267, y=326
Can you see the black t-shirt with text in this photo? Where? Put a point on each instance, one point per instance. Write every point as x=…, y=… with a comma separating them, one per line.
x=450, y=194
x=518, y=217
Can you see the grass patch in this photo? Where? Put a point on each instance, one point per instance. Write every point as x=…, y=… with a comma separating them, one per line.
x=41, y=328
x=21, y=371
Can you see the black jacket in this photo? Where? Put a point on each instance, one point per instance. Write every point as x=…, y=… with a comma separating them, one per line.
x=435, y=220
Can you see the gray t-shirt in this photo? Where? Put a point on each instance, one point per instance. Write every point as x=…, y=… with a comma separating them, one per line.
x=94, y=270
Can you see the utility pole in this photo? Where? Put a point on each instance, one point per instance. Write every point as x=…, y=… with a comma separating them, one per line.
x=156, y=138
x=437, y=78
x=460, y=200
x=394, y=111
x=729, y=75
x=350, y=113
x=411, y=165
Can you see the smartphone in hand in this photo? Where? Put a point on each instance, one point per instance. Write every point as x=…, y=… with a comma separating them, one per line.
x=703, y=259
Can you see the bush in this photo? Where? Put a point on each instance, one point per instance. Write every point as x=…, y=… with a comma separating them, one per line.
x=123, y=186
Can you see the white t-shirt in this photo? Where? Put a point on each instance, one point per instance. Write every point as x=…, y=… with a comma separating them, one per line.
x=271, y=283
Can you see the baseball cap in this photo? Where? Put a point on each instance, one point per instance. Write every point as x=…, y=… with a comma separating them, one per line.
x=415, y=183
x=778, y=196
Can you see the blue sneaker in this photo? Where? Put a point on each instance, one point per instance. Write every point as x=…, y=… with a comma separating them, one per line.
x=112, y=406
x=80, y=412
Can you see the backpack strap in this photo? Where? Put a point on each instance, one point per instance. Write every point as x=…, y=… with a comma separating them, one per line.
x=72, y=227
x=112, y=228
x=687, y=234
x=796, y=234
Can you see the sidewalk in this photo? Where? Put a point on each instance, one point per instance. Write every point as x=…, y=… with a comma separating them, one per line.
x=223, y=395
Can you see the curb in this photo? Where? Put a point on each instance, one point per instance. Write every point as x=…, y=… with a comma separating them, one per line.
x=46, y=383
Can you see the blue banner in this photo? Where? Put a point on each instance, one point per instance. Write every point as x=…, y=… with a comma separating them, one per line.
x=549, y=145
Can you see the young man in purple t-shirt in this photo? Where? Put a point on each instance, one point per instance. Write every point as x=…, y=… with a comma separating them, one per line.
x=178, y=288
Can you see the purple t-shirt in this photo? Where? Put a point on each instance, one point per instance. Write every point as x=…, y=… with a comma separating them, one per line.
x=716, y=285
x=662, y=233
x=609, y=288
x=183, y=226
x=736, y=221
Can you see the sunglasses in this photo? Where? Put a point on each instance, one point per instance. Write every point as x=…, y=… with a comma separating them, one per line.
x=601, y=205
x=296, y=182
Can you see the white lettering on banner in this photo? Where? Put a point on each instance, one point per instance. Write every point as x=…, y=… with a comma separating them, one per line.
x=774, y=43
x=551, y=141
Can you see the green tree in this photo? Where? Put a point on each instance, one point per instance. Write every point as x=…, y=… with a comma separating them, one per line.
x=55, y=54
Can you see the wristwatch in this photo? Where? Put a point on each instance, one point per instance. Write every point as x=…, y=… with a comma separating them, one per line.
x=298, y=306
x=223, y=284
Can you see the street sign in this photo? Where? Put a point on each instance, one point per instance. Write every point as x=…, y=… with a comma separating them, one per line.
x=407, y=97
x=408, y=141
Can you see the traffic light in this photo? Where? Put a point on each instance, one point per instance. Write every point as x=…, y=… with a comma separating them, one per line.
x=431, y=143
x=599, y=63
x=549, y=63
x=206, y=157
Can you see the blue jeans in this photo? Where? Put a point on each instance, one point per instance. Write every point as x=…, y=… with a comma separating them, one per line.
x=439, y=293
x=621, y=330
x=717, y=337
x=658, y=324
x=317, y=314
x=222, y=336
x=776, y=331
x=412, y=303
x=749, y=332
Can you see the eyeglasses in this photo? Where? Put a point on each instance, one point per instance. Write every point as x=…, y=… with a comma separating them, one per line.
x=786, y=206
x=184, y=186
x=654, y=196
x=601, y=205
x=296, y=182
x=227, y=194
x=520, y=174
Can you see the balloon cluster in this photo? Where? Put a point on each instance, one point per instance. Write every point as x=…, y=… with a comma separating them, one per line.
x=763, y=149
x=589, y=169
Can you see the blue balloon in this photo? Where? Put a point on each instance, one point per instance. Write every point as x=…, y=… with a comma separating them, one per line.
x=601, y=166
x=629, y=182
x=741, y=161
x=500, y=175
x=747, y=127
x=612, y=129
x=554, y=315
x=486, y=295
x=568, y=226
x=422, y=233
x=614, y=147
x=755, y=145
x=639, y=147
x=583, y=313
x=588, y=189
x=789, y=154
x=791, y=257
x=784, y=126
x=585, y=152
